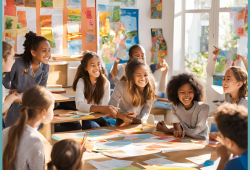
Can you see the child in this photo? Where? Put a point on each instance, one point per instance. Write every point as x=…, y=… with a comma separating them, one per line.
x=29, y=70
x=66, y=154
x=134, y=94
x=189, y=113
x=7, y=62
x=232, y=122
x=22, y=143
x=136, y=51
x=92, y=90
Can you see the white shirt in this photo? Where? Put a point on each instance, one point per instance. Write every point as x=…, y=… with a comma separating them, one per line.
x=121, y=72
x=81, y=101
x=6, y=104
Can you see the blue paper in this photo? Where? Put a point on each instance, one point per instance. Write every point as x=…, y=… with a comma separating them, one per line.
x=78, y=135
x=55, y=137
x=74, y=47
x=162, y=105
x=208, y=163
x=95, y=133
x=73, y=3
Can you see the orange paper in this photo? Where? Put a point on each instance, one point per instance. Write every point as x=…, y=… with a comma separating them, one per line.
x=10, y=2
x=241, y=32
x=10, y=10
x=45, y=21
x=241, y=14
x=22, y=18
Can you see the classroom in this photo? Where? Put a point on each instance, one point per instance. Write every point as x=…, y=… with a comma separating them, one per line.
x=125, y=84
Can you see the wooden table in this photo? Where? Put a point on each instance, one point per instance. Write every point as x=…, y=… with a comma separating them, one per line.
x=177, y=156
x=61, y=98
x=48, y=129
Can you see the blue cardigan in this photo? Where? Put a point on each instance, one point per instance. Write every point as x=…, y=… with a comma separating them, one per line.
x=17, y=79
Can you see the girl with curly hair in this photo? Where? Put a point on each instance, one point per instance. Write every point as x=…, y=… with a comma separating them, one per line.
x=134, y=94
x=31, y=69
x=190, y=115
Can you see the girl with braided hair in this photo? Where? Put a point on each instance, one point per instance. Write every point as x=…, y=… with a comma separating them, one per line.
x=31, y=69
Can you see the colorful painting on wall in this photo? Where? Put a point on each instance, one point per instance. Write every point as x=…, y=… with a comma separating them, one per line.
x=156, y=9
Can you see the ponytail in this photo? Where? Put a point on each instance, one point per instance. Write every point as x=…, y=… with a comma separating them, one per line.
x=15, y=133
x=31, y=43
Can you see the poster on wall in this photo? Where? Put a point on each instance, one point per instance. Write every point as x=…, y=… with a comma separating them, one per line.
x=124, y=3
x=159, y=46
x=156, y=9
x=116, y=26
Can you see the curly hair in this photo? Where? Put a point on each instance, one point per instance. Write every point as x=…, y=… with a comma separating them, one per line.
x=241, y=76
x=89, y=94
x=132, y=89
x=232, y=121
x=177, y=81
x=31, y=42
x=130, y=52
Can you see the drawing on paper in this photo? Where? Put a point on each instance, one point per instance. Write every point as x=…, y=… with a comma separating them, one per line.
x=156, y=9
x=46, y=3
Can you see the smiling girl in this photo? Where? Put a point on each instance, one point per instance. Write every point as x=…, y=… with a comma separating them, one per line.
x=29, y=70
x=189, y=113
x=134, y=94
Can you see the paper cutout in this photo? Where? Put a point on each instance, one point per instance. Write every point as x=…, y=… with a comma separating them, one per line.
x=10, y=10
x=110, y=164
x=241, y=32
x=30, y=3
x=47, y=33
x=88, y=14
x=10, y=2
x=74, y=3
x=74, y=47
x=45, y=21
x=10, y=26
x=46, y=3
x=58, y=4
x=22, y=31
x=18, y=2
x=156, y=9
x=199, y=159
x=22, y=18
x=90, y=3
x=124, y=3
x=73, y=27
x=159, y=46
x=90, y=38
x=11, y=41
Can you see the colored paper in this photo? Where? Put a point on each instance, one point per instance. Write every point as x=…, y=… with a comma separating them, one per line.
x=52, y=43
x=20, y=42
x=156, y=9
x=30, y=3
x=110, y=164
x=10, y=26
x=10, y=2
x=73, y=27
x=22, y=18
x=10, y=10
x=18, y=2
x=47, y=33
x=74, y=47
x=159, y=46
x=124, y=3
x=12, y=42
x=90, y=38
x=90, y=3
x=58, y=4
x=46, y=3
x=22, y=31
x=45, y=21
x=73, y=3
x=31, y=20
x=74, y=14
x=241, y=32
x=199, y=159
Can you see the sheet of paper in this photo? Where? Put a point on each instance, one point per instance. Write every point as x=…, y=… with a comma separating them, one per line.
x=47, y=33
x=45, y=11
x=212, y=167
x=22, y=18
x=10, y=10
x=111, y=164
x=199, y=159
x=20, y=41
x=12, y=42
x=10, y=26
x=90, y=3
x=30, y=3
x=46, y=3
x=166, y=168
x=31, y=19
x=31, y=26
x=58, y=4
x=45, y=21
x=124, y=3
x=22, y=31
x=73, y=3
x=90, y=38
x=74, y=47
x=158, y=161
x=73, y=27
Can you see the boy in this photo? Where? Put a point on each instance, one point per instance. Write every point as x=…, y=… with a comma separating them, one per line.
x=232, y=122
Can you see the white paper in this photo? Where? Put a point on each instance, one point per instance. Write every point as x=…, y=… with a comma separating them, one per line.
x=59, y=47
x=90, y=3
x=111, y=164
x=20, y=41
x=218, y=89
x=199, y=159
x=31, y=26
x=214, y=166
x=242, y=46
x=46, y=11
x=158, y=161
x=73, y=27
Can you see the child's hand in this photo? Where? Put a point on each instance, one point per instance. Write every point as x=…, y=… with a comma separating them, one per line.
x=127, y=120
x=215, y=136
x=131, y=114
x=84, y=140
x=110, y=111
x=14, y=97
x=161, y=126
x=216, y=53
x=162, y=63
x=117, y=60
x=179, y=134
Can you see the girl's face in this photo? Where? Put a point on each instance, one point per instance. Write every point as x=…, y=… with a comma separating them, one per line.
x=94, y=67
x=141, y=77
x=42, y=54
x=186, y=95
x=138, y=53
x=49, y=114
x=9, y=61
x=229, y=83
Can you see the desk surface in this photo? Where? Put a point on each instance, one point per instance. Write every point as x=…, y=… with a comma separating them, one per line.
x=61, y=98
x=177, y=156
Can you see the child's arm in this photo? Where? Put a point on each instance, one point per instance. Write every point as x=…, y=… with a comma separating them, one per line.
x=239, y=57
x=162, y=86
x=210, y=70
x=45, y=77
x=145, y=112
x=114, y=70
x=9, y=100
x=225, y=155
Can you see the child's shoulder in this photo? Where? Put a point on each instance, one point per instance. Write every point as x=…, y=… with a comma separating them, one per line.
x=239, y=163
x=121, y=85
x=19, y=61
x=202, y=105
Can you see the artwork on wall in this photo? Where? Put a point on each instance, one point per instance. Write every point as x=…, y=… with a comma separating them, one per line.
x=156, y=9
